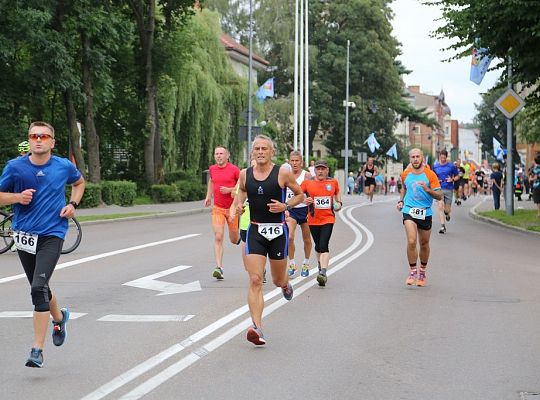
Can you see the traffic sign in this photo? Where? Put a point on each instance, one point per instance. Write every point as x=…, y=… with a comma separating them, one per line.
x=362, y=157
x=343, y=153
x=510, y=103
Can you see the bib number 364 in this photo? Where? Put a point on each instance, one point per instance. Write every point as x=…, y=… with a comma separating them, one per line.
x=25, y=241
x=270, y=231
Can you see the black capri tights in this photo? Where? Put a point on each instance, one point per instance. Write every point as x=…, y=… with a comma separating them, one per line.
x=321, y=236
x=39, y=268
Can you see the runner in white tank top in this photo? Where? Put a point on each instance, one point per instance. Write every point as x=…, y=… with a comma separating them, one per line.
x=298, y=216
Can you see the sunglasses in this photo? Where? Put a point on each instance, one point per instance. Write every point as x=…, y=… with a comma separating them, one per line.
x=42, y=136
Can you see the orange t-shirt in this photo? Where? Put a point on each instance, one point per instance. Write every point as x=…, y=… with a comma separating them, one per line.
x=321, y=212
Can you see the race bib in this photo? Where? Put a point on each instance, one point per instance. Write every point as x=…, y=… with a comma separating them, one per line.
x=25, y=241
x=417, y=213
x=322, y=202
x=369, y=174
x=270, y=231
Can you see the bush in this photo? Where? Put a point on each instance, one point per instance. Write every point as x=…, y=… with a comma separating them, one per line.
x=165, y=193
x=91, y=197
x=121, y=193
x=175, y=176
x=332, y=165
x=191, y=190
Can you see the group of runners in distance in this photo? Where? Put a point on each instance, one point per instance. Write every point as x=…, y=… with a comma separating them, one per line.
x=262, y=206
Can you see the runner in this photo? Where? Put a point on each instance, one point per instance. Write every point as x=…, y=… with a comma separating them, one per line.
x=369, y=172
x=535, y=183
x=264, y=185
x=323, y=197
x=298, y=216
x=447, y=174
x=465, y=180
x=34, y=184
x=223, y=179
x=420, y=187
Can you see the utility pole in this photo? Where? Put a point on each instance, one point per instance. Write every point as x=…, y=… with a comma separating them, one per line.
x=509, y=184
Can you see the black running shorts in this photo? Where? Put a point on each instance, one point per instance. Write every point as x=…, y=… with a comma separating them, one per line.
x=424, y=224
x=275, y=249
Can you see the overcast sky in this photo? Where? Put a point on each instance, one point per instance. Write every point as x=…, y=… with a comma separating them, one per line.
x=422, y=54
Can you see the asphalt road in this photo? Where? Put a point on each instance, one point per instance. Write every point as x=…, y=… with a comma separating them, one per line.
x=152, y=322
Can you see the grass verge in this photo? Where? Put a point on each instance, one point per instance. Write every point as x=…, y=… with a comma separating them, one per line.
x=525, y=219
x=86, y=218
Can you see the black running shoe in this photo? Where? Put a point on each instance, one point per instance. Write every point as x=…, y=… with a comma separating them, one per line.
x=443, y=229
x=59, y=333
x=36, y=358
x=322, y=279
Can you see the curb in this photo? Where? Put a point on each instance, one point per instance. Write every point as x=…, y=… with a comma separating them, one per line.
x=473, y=214
x=149, y=216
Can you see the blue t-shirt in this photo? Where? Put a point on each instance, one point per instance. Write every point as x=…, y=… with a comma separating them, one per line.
x=497, y=176
x=42, y=215
x=415, y=195
x=536, y=172
x=444, y=171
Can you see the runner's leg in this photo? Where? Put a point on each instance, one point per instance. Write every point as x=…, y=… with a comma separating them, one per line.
x=255, y=268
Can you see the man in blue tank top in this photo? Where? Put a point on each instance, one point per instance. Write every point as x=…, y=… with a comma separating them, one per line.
x=265, y=186
x=35, y=185
x=447, y=174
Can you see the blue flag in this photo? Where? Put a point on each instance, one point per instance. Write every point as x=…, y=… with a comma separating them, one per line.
x=479, y=64
x=392, y=152
x=496, y=147
x=372, y=142
x=266, y=90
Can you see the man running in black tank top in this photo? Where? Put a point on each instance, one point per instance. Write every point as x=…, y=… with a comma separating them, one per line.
x=265, y=187
x=369, y=172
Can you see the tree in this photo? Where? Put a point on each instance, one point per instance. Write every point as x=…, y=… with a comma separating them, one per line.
x=504, y=27
x=149, y=28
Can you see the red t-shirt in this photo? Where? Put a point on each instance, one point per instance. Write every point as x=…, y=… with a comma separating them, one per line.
x=223, y=176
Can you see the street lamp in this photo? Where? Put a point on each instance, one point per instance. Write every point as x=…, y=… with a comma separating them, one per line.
x=347, y=118
x=250, y=67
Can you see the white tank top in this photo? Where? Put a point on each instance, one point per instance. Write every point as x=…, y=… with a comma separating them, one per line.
x=299, y=180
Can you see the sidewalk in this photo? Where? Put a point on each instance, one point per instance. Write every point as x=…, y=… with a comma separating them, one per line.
x=486, y=204
x=154, y=210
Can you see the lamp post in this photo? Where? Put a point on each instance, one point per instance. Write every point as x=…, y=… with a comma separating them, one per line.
x=250, y=67
x=347, y=118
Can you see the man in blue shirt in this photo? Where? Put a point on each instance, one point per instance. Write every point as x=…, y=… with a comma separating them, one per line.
x=447, y=174
x=420, y=187
x=35, y=185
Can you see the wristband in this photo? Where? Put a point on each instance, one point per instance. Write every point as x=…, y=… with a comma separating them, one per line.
x=74, y=204
x=401, y=201
x=288, y=207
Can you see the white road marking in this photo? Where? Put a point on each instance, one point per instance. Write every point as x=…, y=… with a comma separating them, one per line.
x=145, y=318
x=196, y=355
x=154, y=361
x=150, y=282
x=104, y=255
x=30, y=314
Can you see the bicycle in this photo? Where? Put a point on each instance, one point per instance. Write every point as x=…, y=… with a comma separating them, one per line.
x=71, y=242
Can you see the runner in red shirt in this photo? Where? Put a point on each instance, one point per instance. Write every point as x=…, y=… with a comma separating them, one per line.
x=223, y=179
x=323, y=198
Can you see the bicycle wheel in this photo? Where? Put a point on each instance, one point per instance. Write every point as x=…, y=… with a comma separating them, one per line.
x=6, y=240
x=73, y=236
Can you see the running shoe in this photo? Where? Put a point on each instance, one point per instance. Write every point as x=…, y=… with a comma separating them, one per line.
x=255, y=336
x=36, y=358
x=447, y=217
x=292, y=269
x=411, y=279
x=264, y=276
x=322, y=279
x=287, y=291
x=305, y=270
x=59, y=333
x=443, y=229
x=421, y=279
x=458, y=202
x=218, y=273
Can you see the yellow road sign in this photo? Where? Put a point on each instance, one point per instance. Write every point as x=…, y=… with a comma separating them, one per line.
x=510, y=103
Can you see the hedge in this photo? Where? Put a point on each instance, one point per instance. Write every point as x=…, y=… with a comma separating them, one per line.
x=91, y=197
x=122, y=193
x=165, y=193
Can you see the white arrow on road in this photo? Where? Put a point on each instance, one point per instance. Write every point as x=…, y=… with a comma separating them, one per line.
x=151, y=282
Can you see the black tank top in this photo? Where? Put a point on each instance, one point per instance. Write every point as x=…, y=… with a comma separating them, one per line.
x=370, y=172
x=260, y=193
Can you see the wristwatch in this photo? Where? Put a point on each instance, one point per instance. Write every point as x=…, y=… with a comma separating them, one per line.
x=288, y=207
x=74, y=204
